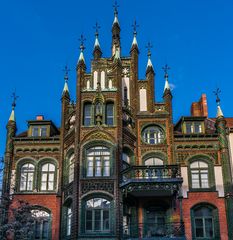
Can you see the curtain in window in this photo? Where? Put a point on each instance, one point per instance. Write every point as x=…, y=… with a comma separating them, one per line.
x=27, y=172
x=48, y=177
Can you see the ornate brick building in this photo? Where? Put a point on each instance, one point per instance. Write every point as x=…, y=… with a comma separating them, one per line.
x=118, y=167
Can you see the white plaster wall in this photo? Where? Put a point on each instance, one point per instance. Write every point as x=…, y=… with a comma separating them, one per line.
x=102, y=83
x=125, y=83
x=143, y=99
x=219, y=180
x=230, y=140
x=95, y=79
x=185, y=185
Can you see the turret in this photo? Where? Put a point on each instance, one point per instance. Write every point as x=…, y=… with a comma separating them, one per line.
x=167, y=95
x=225, y=161
x=97, y=53
x=116, y=32
x=11, y=131
x=150, y=79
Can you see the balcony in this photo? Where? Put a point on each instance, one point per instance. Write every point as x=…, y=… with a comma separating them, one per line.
x=149, y=231
x=151, y=180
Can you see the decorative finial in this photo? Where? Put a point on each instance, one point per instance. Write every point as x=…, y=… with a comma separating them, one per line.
x=149, y=46
x=96, y=27
x=66, y=70
x=216, y=93
x=166, y=68
x=82, y=39
x=116, y=6
x=14, y=99
x=135, y=26
x=219, y=110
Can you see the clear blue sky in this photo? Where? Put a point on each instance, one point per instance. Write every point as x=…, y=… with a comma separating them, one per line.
x=39, y=37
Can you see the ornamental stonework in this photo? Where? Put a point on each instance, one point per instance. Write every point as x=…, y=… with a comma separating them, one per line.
x=95, y=185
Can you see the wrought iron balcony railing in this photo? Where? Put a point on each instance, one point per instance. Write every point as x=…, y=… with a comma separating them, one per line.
x=151, y=230
x=163, y=173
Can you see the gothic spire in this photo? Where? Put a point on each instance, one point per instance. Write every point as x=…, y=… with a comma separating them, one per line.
x=82, y=47
x=115, y=31
x=115, y=21
x=134, y=43
x=219, y=110
x=12, y=116
x=149, y=63
x=66, y=78
x=97, y=53
x=166, y=86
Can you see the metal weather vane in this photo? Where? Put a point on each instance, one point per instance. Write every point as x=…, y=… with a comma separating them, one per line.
x=149, y=46
x=96, y=27
x=82, y=39
x=115, y=6
x=166, y=68
x=14, y=99
x=216, y=93
x=66, y=70
x=135, y=26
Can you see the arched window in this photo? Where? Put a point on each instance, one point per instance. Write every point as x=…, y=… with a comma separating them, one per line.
x=87, y=114
x=98, y=162
x=199, y=174
x=42, y=224
x=154, y=172
x=27, y=172
x=48, y=171
x=153, y=135
x=97, y=215
x=153, y=161
x=71, y=168
x=205, y=222
x=109, y=114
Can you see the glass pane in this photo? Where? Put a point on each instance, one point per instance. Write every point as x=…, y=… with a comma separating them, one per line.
x=51, y=177
x=37, y=230
x=44, y=177
x=43, y=185
x=199, y=228
x=105, y=220
x=87, y=114
x=35, y=131
x=97, y=220
x=209, y=227
x=45, y=229
x=194, y=165
x=51, y=186
x=45, y=167
x=51, y=167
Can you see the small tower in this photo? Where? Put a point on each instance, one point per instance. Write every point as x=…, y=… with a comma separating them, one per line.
x=11, y=130
x=150, y=79
x=167, y=95
x=134, y=52
x=116, y=32
x=97, y=53
x=81, y=60
x=225, y=161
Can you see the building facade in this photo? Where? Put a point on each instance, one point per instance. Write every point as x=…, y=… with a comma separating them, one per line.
x=118, y=167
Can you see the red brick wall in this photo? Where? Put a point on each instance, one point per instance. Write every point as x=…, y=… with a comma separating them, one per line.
x=52, y=202
x=205, y=197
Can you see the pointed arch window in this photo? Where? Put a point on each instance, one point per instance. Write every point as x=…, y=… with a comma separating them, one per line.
x=27, y=173
x=110, y=114
x=48, y=171
x=68, y=221
x=87, y=114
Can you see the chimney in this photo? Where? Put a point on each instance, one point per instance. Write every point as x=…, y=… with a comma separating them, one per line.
x=39, y=117
x=200, y=109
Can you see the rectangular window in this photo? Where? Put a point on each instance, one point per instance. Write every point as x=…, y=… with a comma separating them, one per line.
x=197, y=127
x=189, y=127
x=109, y=114
x=35, y=132
x=87, y=114
x=43, y=131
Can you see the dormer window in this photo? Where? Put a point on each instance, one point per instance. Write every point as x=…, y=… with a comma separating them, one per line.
x=193, y=127
x=39, y=131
